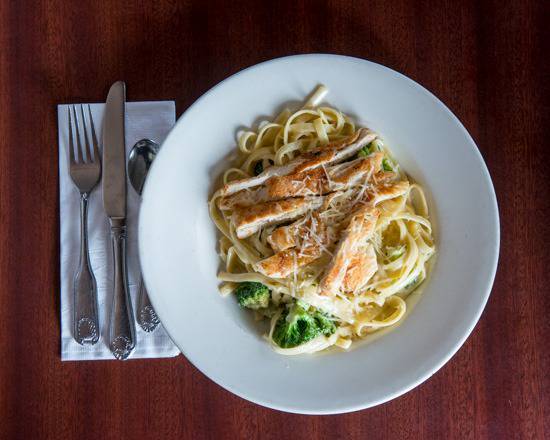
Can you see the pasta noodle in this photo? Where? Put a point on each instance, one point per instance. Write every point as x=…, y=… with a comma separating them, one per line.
x=401, y=239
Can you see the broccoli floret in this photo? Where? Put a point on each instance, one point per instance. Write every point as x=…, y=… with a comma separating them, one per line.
x=325, y=324
x=258, y=168
x=365, y=151
x=252, y=295
x=386, y=165
x=296, y=326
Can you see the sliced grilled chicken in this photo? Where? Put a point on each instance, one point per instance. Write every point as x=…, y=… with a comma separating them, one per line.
x=249, y=220
x=358, y=171
x=317, y=181
x=302, y=230
x=296, y=245
x=361, y=268
x=285, y=237
x=384, y=177
x=328, y=154
x=251, y=182
x=313, y=182
x=387, y=191
x=355, y=236
x=283, y=263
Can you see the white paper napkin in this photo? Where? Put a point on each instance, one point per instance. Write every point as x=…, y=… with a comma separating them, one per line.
x=152, y=120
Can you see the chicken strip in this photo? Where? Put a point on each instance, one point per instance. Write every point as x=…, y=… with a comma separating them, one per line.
x=283, y=263
x=249, y=220
x=298, y=245
x=313, y=182
x=386, y=191
x=317, y=181
x=328, y=154
x=384, y=177
x=310, y=228
x=355, y=236
x=362, y=267
x=284, y=237
x=357, y=172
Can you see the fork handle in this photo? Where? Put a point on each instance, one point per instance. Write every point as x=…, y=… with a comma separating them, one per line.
x=121, y=325
x=85, y=319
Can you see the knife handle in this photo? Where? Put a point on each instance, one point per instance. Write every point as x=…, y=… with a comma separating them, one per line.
x=121, y=324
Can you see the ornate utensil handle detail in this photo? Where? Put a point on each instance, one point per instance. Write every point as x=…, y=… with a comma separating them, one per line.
x=121, y=326
x=85, y=319
x=146, y=316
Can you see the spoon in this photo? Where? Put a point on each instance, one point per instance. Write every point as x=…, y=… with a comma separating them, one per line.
x=139, y=161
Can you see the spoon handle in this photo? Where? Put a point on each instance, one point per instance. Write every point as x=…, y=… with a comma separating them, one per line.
x=146, y=316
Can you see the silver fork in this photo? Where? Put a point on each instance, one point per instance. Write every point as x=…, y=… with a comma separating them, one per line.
x=85, y=171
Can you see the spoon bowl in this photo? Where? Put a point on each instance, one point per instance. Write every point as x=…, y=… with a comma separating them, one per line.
x=139, y=161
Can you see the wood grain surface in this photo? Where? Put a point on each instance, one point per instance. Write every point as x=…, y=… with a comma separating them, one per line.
x=484, y=59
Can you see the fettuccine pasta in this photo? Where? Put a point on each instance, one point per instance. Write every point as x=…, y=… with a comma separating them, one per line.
x=322, y=233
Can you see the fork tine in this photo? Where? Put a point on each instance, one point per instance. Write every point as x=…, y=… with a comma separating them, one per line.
x=78, y=143
x=94, y=138
x=71, y=145
x=89, y=156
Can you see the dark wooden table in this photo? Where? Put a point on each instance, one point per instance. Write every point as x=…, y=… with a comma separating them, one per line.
x=483, y=59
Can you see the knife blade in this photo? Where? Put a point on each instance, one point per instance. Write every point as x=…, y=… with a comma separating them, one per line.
x=114, y=153
x=121, y=321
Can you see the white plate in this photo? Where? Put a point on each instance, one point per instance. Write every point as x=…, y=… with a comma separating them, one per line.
x=178, y=241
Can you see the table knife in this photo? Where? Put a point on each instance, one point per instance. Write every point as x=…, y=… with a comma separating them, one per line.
x=121, y=322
